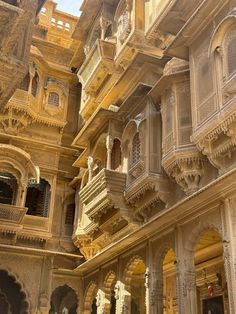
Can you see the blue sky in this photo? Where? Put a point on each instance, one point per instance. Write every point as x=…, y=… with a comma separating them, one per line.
x=69, y=6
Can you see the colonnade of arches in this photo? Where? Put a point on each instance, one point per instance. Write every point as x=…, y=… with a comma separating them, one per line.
x=167, y=284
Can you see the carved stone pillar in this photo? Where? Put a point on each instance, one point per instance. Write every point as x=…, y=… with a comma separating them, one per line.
x=147, y=291
x=186, y=289
x=109, y=144
x=90, y=168
x=100, y=302
x=229, y=240
x=21, y=194
x=45, y=285
x=123, y=299
x=186, y=278
x=32, y=72
x=104, y=23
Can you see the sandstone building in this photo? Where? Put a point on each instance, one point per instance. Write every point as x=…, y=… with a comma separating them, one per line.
x=118, y=162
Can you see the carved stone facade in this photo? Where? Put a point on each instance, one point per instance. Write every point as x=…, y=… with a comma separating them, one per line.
x=117, y=162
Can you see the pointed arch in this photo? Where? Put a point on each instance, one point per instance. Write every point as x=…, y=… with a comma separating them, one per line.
x=89, y=296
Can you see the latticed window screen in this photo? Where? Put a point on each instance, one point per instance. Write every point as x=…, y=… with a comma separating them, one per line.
x=53, y=99
x=168, y=121
x=25, y=83
x=116, y=155
x=184, y=115
x=38, y=198
x=231, y=56
x=205, y=80
x=35, y=82
x=205, y=100
x=70, y=214
x=136, y=149
x=123, y=24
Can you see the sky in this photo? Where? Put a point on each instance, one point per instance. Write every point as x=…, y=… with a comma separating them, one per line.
x=69, y=6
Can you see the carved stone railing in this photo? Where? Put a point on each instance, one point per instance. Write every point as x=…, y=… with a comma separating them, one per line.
x=104, y=193
x=147, y=195
x=12, y=213
x=97, y=66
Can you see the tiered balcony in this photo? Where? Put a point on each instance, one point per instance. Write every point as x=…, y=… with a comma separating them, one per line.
x=217, y=136
x=103, y=199
x=97, y=66
x=14, y=20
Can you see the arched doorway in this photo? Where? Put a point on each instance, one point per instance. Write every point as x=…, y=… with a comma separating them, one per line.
x=135, y=286
x=63, y=301
x=211, y=284
x=170, y=304
x=12, y=297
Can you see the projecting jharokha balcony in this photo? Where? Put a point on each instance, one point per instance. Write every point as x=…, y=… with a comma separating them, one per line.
x=103, y=196
x=97, y=66
x=12, y=213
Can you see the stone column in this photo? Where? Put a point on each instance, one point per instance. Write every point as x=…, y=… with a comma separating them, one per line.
x=109, y=144
x=147, y=291
x=229, y=240
x=104, y=23
x=21, y=193
x=32, y=72
x=45, y=285
x=90, y=168
x=186, y=278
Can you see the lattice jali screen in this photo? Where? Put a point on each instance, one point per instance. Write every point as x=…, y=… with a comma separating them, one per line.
x=184, y=114
x=53, y=99
x=167, y=116
x=136, y=149
x=206, y=105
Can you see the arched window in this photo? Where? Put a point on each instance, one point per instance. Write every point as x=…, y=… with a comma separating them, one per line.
x=38, y=198
x=116, y=155
x=136, y=149
x=35, y=82
x=8, y=188
x=25, y=83
x=53, y=99
x=231, y=55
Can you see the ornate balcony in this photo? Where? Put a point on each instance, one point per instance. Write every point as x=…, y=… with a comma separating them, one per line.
x=148, y=195
x=12, y=213
x=16, y=18
x=103, y=198
x=97, y=66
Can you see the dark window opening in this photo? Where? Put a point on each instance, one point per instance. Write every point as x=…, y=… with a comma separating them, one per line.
x=8, y=188
x=213, y=305
x=38, y=198
x=94, y=307
x=113, y=303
